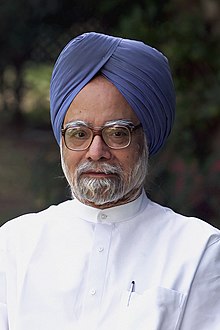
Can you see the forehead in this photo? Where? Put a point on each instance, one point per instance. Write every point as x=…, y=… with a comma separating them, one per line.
x=99, y=102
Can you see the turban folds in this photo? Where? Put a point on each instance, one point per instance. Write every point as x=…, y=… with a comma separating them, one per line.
x=140, y=72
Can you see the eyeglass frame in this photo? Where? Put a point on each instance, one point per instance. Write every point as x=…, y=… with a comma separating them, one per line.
x=98, y=131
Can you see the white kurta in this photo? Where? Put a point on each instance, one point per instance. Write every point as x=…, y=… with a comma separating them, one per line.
x=72, y=267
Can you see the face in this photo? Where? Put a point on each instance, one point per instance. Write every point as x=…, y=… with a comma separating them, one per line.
x=100, y=176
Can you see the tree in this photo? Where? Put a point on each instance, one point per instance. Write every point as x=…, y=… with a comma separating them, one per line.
x=21, y=22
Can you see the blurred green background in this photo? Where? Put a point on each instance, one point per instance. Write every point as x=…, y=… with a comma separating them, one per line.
x=186, y=174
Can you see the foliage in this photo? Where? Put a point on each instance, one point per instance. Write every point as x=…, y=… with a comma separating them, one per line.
x=187, y=186
x=36, y=101
x=30, y=174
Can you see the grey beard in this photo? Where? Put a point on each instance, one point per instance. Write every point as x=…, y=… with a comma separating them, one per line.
x=107, y=190
x=99, y=191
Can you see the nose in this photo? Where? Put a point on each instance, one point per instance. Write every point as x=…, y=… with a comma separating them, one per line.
x=98, y=149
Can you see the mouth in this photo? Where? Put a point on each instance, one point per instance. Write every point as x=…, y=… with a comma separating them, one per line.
x=98, y=175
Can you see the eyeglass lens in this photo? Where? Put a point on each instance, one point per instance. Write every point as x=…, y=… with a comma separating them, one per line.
x=80, y=137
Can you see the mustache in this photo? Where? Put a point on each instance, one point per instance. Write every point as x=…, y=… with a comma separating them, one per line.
x=105, y=168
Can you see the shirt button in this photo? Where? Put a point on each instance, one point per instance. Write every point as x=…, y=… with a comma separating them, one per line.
x=103, y=216
x=92, y=292
x=101, y=248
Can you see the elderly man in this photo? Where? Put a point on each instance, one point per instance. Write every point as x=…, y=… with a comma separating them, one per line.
x=110, y=258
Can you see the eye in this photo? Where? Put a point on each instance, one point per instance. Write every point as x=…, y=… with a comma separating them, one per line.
x=116, y=137
x=118, y=132
x=78, y=133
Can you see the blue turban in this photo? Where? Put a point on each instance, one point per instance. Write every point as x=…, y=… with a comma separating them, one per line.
x=139, y=72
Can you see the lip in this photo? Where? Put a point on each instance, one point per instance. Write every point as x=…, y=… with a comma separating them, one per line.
x=98, y=174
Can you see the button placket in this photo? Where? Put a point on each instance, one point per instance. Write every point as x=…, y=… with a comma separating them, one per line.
x=98, y=266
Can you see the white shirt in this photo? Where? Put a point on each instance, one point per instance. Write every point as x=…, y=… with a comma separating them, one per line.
x=72, y=267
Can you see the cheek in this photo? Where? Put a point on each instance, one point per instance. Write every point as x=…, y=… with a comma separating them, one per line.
x=71, y=159
x=130, y=158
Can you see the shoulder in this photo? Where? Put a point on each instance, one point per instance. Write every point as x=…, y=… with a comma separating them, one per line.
x=180, y=227
x=180, y=240
x=29, y=226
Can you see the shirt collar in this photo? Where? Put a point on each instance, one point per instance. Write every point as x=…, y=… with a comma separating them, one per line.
x=115, y=214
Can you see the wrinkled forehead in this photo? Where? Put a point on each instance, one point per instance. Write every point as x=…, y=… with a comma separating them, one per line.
x=98, y=103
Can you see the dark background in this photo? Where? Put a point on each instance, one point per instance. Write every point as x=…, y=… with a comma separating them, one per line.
x=186, y=174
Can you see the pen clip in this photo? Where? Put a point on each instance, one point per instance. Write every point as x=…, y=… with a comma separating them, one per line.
x=132, y=289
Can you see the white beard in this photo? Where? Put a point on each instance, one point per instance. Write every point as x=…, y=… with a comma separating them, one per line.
x=101, y=191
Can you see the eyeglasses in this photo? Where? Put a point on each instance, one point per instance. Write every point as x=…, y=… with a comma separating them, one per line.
x=79, y=137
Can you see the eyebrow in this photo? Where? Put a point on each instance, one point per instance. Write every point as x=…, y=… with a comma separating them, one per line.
x=108, y=123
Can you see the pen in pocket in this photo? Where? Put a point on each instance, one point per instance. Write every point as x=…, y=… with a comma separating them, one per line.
x=132, y=289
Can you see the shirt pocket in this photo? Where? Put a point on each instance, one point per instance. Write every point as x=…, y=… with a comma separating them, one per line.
x=155, y=309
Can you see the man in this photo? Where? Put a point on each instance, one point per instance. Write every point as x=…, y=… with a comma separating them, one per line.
x=110, y=258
